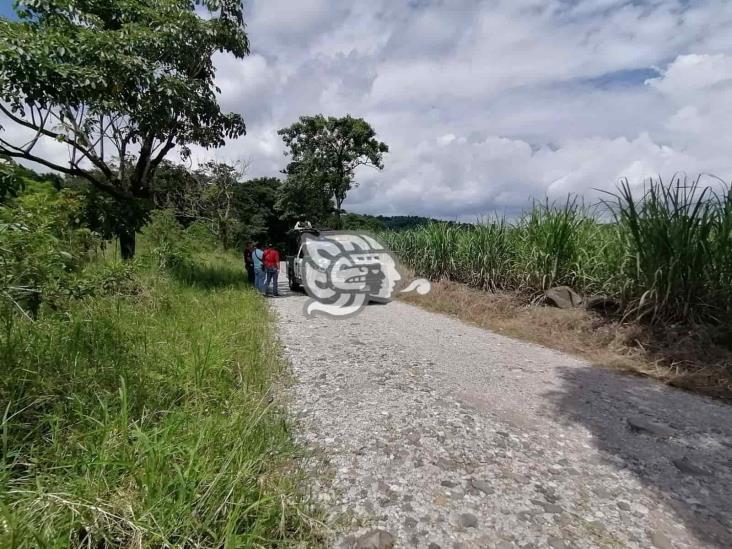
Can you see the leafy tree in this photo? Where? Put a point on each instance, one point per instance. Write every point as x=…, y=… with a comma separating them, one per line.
x=207, y=194
x=10, y=183
x=326, y=152
x=219, y=182
x=216, y=196
x=255, y=206
x=104, y=213
x=176, y=188
x=121, y=83
x=305, y=196
x=405, y=222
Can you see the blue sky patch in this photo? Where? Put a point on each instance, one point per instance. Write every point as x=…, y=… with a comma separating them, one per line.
x=623, y=78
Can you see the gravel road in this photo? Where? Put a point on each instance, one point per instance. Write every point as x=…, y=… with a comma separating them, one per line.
x=427, y=432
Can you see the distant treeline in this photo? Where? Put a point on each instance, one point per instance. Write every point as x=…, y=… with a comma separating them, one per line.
x=353, y=221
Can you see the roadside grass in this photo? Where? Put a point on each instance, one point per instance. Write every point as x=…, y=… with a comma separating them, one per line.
x=147, y=418
x=664, y=254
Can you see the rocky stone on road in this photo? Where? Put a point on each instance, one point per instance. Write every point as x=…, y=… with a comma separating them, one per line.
x=375, y=539
x=563, y=297
x=468, y=520
x=641, y=425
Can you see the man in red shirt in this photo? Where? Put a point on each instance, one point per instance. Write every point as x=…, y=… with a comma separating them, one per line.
x=271, y=261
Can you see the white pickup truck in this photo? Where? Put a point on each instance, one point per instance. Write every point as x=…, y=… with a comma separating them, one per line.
x=295, y=255
x=371, y=269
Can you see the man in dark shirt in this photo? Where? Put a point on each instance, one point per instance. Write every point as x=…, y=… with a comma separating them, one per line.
x=248, y=263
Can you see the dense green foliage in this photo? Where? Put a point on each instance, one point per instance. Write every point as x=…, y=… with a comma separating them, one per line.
x=216, y=195
x=42, y=249
x=121, y=83
x=206, y=194
x=136, y=406
x=10, y=184
x=256, y=209
x=666, y=255
x=401, y=222
x=305, y=197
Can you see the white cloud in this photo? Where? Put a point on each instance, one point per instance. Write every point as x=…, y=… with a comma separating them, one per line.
x=699, y=89
x=690, y=74
x=486, y=105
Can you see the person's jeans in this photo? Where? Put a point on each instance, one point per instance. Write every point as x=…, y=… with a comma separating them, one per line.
x=259, y=276
x=271, y=277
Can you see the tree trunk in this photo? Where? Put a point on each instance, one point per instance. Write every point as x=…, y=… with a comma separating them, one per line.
x=339, y=202
x=126, y=244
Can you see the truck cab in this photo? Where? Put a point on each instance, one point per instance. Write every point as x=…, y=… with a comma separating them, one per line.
x=296, y=255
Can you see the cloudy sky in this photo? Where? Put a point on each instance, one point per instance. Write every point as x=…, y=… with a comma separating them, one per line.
x=485, y=104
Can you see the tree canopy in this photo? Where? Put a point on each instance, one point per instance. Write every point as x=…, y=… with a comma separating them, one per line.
x=120, y=82
x=304, y=195
x=325, y=153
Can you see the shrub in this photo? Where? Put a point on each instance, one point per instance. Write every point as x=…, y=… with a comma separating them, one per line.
x=10, y=183
x=200, y=236
x=169, y=245
x=42, y=249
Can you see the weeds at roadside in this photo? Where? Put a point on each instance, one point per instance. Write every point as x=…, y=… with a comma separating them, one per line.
x=666, y=255
x=145, y=419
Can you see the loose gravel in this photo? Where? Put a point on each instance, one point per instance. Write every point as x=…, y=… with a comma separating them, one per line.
x=423, y=431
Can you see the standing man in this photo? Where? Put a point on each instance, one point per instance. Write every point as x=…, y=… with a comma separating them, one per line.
x=258, y=265
x=248, y=262
x=272, y=267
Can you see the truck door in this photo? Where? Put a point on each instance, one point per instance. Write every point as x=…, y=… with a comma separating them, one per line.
x=298, y=264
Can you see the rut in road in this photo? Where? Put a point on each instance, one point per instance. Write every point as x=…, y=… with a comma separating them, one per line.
x=446, y=435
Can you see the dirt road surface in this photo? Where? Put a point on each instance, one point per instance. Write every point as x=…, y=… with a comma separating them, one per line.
x=426, y=432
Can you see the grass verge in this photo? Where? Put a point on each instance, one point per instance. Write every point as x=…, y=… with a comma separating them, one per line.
x=663, y=255
x=147, y=419
x=694, y=358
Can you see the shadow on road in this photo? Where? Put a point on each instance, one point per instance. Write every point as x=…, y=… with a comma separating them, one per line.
x=677, y=444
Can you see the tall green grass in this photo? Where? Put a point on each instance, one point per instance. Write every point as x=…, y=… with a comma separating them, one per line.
x=146, y=420
x=663, y=252
x=676, y=240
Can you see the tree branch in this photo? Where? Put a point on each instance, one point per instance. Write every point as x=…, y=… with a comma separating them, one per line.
x=17, y=153
x=32, y=143
x=59, y=137
x=155, y=162
x=90, y=153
